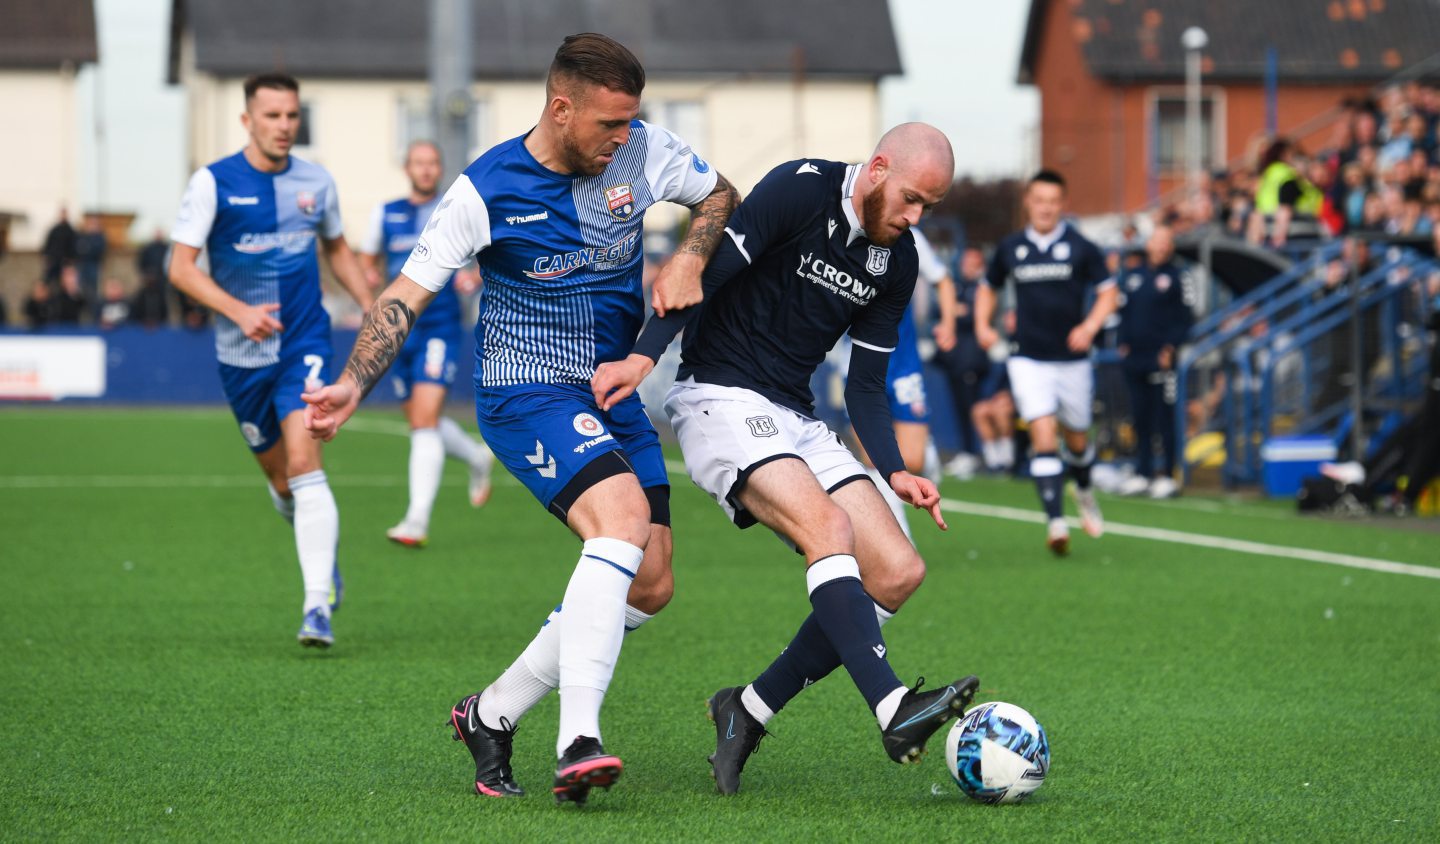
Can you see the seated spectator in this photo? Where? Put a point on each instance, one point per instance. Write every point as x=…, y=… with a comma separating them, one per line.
x=149, y=307
x=69, y=301
x=114, y=307
x=40, y=306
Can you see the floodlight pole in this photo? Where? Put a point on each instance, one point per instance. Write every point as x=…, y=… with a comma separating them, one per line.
x=450, y=67
x=1194, y=40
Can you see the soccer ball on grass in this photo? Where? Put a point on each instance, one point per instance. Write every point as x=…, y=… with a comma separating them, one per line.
x=997, y=753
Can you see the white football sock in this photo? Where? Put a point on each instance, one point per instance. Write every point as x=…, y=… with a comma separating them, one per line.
x=990, y=449
x=317, y=530
x=592, y=628
x=459, y=444
x=885, y=712
x=1007, y=453
x=284, y=506
x=634, y=618
x=427, y=462
x=882, y=615
x=755, y=706
x=892, y=500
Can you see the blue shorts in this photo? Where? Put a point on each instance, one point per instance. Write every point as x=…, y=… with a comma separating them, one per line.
x=545, y=434
x=426, y=358
x=260, y=398
x=904, y=379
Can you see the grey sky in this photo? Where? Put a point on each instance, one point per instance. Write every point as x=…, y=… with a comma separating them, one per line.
x=959, y=56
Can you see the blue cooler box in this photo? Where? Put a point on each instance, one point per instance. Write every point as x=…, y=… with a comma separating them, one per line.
x=1289, y=459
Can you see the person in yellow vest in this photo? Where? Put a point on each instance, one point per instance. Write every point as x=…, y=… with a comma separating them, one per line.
x=1285, y=202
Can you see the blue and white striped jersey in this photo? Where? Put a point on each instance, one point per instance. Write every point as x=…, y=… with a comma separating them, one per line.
x=259, y=230
x=394, y=228
x=560, y=255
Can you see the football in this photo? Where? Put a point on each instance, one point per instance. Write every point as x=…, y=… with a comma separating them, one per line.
x=997, y=753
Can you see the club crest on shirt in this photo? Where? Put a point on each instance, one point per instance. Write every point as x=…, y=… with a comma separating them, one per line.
x=1162, y=282
x=878, y=261
x=1021, y=251
x=306, y=201
x=1061, y=251
x=621, y=202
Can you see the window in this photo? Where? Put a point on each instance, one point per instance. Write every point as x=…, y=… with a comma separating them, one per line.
x=685, y=118
x=305, y=137
x=414, y=122
x=1168, y=120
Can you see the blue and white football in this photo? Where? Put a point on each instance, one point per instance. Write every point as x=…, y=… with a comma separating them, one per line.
x=997, y=753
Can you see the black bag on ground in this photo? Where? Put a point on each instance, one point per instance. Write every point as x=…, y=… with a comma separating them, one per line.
x=1319, y=494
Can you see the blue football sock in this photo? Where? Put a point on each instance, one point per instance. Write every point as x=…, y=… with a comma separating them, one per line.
x=1046, y=469
x=807, y=659
x=847, y=617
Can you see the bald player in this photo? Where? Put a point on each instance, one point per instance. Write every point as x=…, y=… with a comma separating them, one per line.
x=818, y=249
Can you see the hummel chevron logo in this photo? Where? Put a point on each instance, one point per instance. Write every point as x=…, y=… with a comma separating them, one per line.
x=879, y=650
x=832, y=227
x=807, y=167
x=546, y=470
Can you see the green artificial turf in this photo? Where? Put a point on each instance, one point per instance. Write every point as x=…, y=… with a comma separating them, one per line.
x=151, y=686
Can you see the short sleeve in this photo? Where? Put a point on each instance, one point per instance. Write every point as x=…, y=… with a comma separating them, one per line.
x=781, y=203
x=877, y=326
x=331, y=226
x=374, y=241
x=1094, y=269
x=673, y=170
x=197, y=210
x=997, y=273
x=458, y=229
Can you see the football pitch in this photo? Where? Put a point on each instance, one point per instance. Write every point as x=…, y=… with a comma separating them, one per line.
x=1211, y=670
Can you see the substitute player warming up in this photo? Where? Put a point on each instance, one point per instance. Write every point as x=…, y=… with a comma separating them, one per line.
x=819, y=248
x=1053, y=268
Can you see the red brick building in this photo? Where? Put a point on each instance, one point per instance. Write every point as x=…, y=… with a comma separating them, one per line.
x=1111, y=77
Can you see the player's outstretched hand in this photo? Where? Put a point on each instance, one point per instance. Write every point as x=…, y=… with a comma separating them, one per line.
x=1080, y=339
x=920, y=493
x=986, y=336
x=256, y=322
x=678, y=284
x=616, y=380
x=328, y=407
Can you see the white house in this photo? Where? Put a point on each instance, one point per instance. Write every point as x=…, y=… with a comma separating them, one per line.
x=749, y=83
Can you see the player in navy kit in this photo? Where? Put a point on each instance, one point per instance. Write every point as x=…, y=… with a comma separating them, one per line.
x=819, y=248
x=1053, y=268
x=258, y=214
x=555, y=217
x=426, y=366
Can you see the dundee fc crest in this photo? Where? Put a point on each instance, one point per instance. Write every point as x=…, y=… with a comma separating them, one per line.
x=878, y=262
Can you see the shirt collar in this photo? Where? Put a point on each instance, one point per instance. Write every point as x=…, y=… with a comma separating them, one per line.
x=1044, y=242
x=847, y=190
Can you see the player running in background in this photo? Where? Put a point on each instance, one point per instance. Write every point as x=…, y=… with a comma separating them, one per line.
x=819, y=248
x=258, y=214
x=425, y=368
x=555, y=217
x=1053, y=267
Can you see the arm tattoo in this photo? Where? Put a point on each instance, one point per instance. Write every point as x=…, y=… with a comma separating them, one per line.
x=383, y=332
x=707, y=220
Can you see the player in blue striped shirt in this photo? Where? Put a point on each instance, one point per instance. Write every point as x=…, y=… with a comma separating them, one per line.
x=258, y=214
x=555, y=219
x=427, y=364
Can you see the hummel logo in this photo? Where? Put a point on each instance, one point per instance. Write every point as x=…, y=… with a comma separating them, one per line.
x=807, y=167
x=879, y=650
x=546, y=470
x=243, y=200
x=832, y=228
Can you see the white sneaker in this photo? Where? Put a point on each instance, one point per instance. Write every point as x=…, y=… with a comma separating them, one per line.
x=962, y=466
x=408, y=534
x=1090, y=518
x=1345, y=473
x=1057, y=537
x=480, y=478
x=1133, y=485
x=1164, y=487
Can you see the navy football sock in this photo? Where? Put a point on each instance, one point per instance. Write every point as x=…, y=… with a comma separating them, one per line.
x=807, y=659
x=1080, y=465
x=1046, y=469
x=847, y=617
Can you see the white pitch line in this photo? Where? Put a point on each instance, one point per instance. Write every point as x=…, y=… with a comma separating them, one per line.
x=1201, y=540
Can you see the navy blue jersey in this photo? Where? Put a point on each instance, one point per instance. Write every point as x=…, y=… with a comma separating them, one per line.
x=810, y=275
x=259, y=230
x=1052, y=275
x=559, y=254
x=394, y=228
x=1154, y=313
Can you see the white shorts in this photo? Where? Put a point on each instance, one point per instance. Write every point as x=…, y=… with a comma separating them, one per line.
x=1064, y=389
x=726, y=433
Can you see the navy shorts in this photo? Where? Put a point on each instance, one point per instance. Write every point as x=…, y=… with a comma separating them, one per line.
x=261, y=397
x=545, y=434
